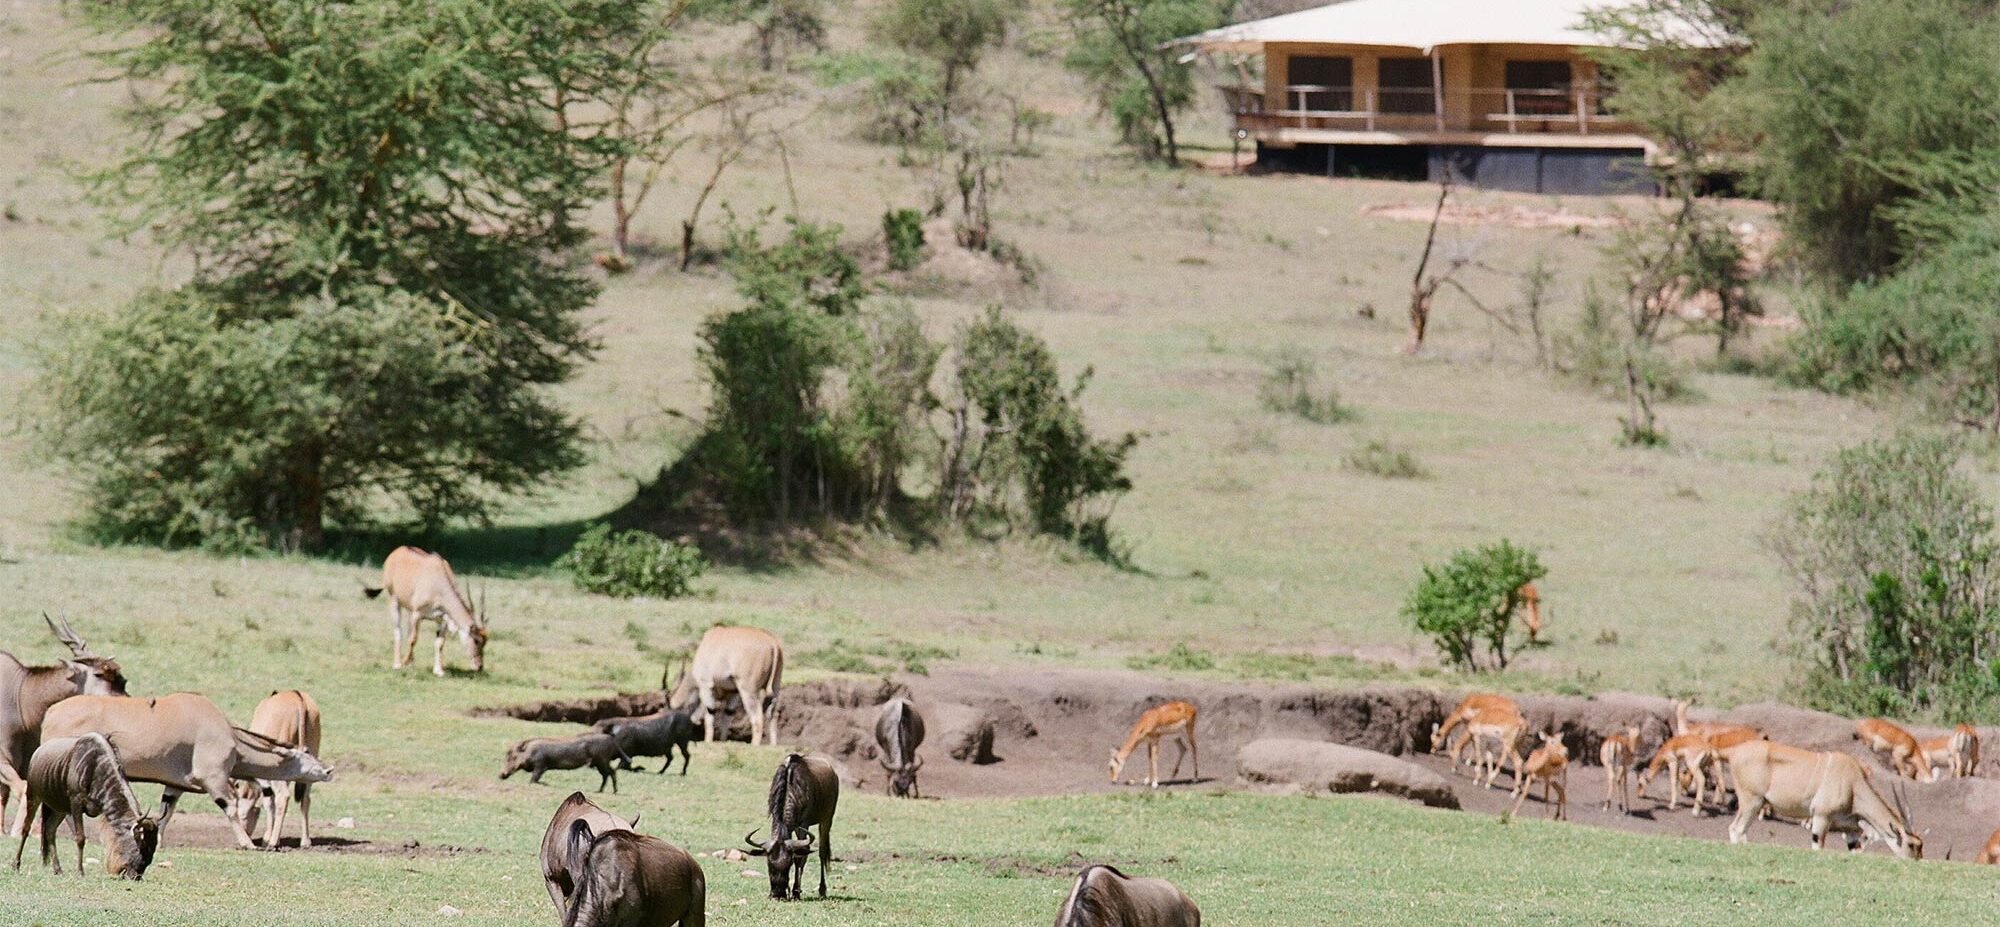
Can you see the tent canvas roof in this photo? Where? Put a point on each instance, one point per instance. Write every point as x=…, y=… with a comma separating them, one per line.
x=1419, y=24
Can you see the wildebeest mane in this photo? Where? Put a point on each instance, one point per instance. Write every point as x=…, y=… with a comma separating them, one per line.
x=790, y=793
x=1083, y=901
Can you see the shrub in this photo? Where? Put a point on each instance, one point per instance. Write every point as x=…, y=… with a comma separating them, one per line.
x=1385, y=460
x=1291, y=387
x=1179, y=657
x=903, y=233
x=1472, y=599
x=1892, y=560
x=626, y=564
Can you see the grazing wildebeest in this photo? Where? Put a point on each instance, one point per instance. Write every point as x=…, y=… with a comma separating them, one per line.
x=421, y=583
x=899, y=731
x=78, y=777
x=1105, y=897
x=749, y=662
x=290, y=718
x=538, y=755
x=624, y=879
x=1829, y=791
x=804, y=793
x=656, y=734
x=1175, y=718
x=184, y=742
x=555, y=843
x=26, y=692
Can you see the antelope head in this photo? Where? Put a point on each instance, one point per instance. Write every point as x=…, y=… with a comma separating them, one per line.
x=475, y=636
x=129, y=849
x=780, y=855
x=902, y=779
x=92, y=674
x=301, y=766
x=1117, y=764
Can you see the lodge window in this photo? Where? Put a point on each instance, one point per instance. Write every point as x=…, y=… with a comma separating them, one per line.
x=1405, y=86
x=1543, y=85
x=1317, y=71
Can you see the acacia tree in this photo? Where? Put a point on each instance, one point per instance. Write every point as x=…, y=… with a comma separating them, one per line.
x=376, y=196
x=1121, y=50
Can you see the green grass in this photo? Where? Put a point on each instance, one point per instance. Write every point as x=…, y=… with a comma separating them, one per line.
x=1259, y=556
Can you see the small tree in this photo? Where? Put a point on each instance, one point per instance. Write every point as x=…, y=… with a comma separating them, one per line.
x=1472, y=600
x=949, y=36
x=1122, y=51
x=1896, y=582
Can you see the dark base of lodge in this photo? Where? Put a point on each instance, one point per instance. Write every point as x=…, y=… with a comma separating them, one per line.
x=1574, y=171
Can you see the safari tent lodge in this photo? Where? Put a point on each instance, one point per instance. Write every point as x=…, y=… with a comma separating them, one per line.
x=1500, y=92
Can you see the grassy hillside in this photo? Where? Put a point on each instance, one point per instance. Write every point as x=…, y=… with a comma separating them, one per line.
x=1253, y=543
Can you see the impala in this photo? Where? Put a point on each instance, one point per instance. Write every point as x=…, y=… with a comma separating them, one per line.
x=1175, y=718
x=1957, y=752
x=1495, y=734
x=1904, y=754
x=1467, y=709
x=1617, y=754
x=1549, y=764
x=1684, y=755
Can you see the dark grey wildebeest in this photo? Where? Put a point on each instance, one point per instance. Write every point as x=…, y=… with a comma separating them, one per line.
x=656, y=734
x=555, y=843
x=78, y=777
x=899, y=731
x=625, y=879
x=538, y=755
x=1105, y=897
x=804, y=792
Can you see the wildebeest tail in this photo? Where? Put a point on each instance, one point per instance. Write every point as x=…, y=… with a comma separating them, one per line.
x=371, y=591
x=576, y=859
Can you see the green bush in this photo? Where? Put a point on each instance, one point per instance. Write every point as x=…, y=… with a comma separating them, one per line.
x=1892, y=557
x=903, y=232
x=1472, y=600
x=1386, y=460
x=1180, y=657
x=626, y=564
x=1291, y=387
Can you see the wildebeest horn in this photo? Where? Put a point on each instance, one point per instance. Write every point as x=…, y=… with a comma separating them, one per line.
x=69, y=638
x=755, y=848
x=919, y=764
x=482, y=605
x=884, y=760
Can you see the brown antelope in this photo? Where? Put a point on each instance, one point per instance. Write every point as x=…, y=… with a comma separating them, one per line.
x=624, y=879
x=291, y=719
x=1685, y=757
x=1905, y=755
x=1829, y=791
x=804, y=793
x=1105, y=897
x=26, y=692
x=1175, y=718
x=1531, y=600
x=1495, y=735
x=1957, y=752
x=555, y=844
x=78, y=777
x=1617, y=754
x=1990, y=853
x=182, y=741
x=1549, y=763
x=421, y=585
x=749, y=662
x=899, y=731
x=1468, y=709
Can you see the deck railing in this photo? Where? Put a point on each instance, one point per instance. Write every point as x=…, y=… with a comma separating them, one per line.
x=1578, y=109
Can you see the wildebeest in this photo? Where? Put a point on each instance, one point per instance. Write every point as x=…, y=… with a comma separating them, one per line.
x=1105, y=897
x=421, y=583
x=656, y=734
x=625, y=879
x=26, y=692
x=1829, y=791
x=1171, y=718
x=555, y=843
x=184, y=742
x=899, y=731
x=749, y=662
x=538, y=755
x=78, y=777
x=290, y=718
x=804, y=793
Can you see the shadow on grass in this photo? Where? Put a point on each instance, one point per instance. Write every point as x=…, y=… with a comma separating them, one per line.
x=509, y=551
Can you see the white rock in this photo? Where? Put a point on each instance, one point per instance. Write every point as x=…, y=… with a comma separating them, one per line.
x=91, y=861
x=735, y=856
x=346, y=823
x=448, y=911
x=853, y=868
x=751, y=873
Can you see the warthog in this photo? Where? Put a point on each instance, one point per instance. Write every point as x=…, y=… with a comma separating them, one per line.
x=26, y=692
x=421, y=583
x=656, y=734
x=899, y=731
x=804, y=792
x=555, y=845
x=538, y=755
x=78, y=777
x=625, y=879
x=1105, y=897
x=290, y=718
x=184, y=742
